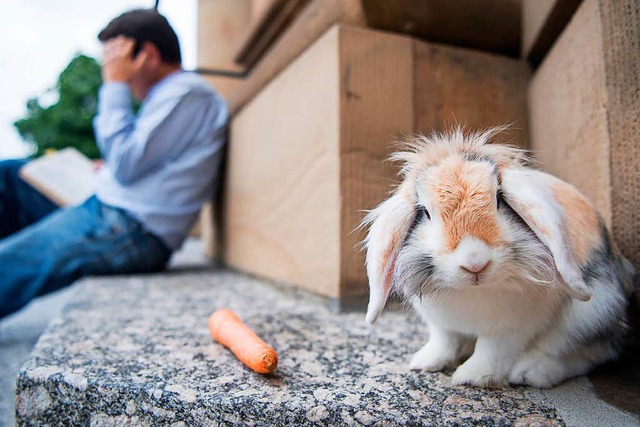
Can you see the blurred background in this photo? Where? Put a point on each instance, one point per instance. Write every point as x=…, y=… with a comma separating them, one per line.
x=42, y=37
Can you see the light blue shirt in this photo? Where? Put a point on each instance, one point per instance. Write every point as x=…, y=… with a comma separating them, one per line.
x=161, y=164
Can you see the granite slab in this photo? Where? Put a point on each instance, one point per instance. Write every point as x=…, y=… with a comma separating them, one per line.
x=136, y=351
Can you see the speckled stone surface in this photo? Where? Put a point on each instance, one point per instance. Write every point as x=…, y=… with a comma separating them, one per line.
x=137, y=352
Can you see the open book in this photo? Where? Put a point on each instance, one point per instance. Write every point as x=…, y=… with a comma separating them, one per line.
x=66, y=177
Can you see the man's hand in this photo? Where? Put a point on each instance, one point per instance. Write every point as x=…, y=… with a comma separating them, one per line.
x=118, y=65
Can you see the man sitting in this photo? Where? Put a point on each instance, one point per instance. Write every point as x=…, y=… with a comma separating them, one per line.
x=160, y=166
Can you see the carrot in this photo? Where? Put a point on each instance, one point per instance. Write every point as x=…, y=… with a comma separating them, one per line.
x=231, y=332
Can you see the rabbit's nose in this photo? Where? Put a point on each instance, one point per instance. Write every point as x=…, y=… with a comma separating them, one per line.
x=475, y=267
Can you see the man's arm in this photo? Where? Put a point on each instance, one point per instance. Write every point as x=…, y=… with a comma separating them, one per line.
x=131, y=147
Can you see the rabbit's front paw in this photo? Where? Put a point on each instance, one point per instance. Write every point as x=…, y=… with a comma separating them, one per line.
x=429, y=358
x=541, y=372
x=475, y=372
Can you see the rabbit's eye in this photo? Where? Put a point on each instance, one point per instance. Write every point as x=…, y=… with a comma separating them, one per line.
x=424, y=212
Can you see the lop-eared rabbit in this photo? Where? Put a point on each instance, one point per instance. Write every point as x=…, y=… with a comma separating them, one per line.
x=493, y=252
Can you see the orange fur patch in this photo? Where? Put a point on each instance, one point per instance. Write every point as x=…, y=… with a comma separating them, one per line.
x=465, y=200
x=390, y=250
x=582, y=226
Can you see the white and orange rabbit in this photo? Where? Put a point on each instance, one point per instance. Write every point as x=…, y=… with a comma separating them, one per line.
x=490, y=250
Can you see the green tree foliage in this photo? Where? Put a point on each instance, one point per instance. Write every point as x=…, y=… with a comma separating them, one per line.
x=66, y=123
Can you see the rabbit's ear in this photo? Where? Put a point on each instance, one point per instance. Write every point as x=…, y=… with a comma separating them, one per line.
x=560, y=216
x=390, y=223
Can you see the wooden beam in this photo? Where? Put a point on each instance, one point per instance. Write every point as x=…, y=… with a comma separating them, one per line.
x=543, y=21
x=534, y=16
x=312, y=22
x=266, y=31
x=491, y=25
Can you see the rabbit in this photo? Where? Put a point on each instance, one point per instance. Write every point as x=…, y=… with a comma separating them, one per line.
x=504, y=262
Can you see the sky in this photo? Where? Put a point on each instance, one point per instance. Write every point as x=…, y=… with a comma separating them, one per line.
x=40, y=37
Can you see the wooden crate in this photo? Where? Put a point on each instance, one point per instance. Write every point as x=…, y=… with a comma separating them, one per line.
x=584, y=110
x=306, y=155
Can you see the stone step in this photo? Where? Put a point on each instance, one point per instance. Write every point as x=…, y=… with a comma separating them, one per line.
x=136, y=351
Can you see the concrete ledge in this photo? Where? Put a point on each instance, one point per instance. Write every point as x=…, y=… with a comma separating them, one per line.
x=136, y=351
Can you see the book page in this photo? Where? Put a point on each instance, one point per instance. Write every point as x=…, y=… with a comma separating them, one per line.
x=66, y=177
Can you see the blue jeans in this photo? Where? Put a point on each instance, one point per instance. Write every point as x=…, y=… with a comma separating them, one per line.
x=43, y=248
